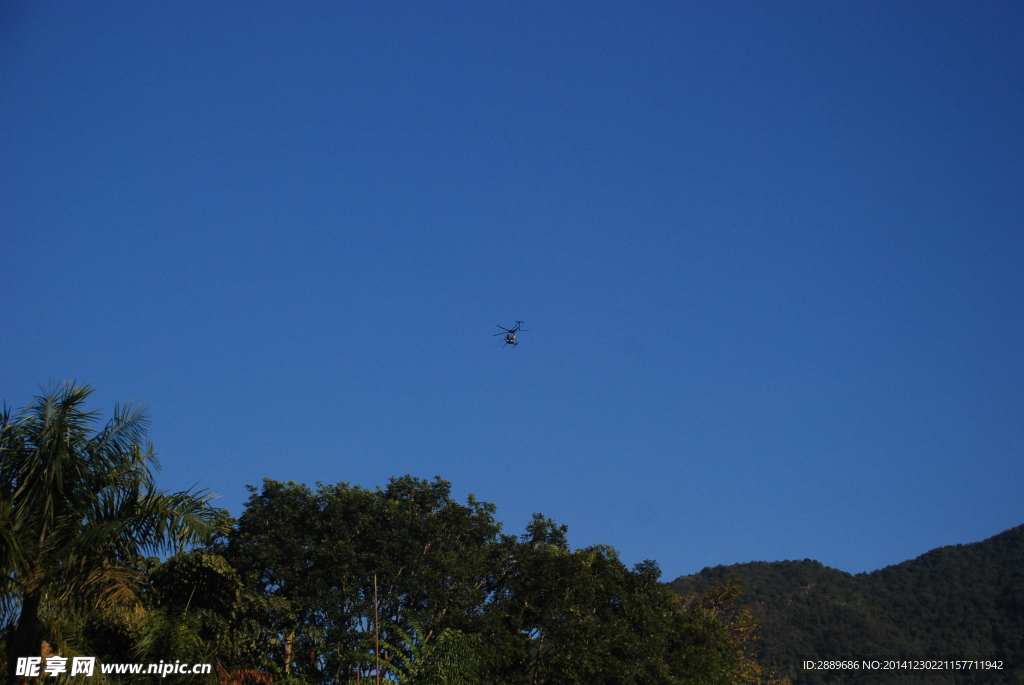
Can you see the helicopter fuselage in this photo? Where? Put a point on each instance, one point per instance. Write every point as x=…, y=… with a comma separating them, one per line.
x=509, y=337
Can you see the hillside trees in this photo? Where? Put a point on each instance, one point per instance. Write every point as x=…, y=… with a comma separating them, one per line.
x=78, y=512
x=958, y=600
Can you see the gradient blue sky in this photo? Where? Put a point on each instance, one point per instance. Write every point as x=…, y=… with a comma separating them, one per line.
x=770, y=255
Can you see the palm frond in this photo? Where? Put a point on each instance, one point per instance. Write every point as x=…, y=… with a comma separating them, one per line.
x=79, y=508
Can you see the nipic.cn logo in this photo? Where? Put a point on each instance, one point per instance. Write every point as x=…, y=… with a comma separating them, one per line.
x=34, y=666
x=30, y=666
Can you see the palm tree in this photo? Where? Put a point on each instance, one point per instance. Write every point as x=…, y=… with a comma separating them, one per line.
x=78, y=511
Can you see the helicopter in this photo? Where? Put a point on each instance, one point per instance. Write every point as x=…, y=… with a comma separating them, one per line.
x=510, y=333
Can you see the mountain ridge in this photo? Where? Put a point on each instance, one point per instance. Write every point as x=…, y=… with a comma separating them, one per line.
x=962, y=601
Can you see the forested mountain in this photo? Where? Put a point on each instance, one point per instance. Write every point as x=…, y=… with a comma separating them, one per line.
x=957, y=602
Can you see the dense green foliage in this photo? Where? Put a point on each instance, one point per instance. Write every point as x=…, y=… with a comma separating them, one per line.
x=318, y=586
x=443, y=573
x=335, y=585
x=964, y=601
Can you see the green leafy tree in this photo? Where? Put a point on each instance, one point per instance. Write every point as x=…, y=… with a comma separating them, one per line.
x=325, y=555
x=79, y=510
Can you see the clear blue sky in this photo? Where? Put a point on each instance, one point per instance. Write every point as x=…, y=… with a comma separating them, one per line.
x=771, y=256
